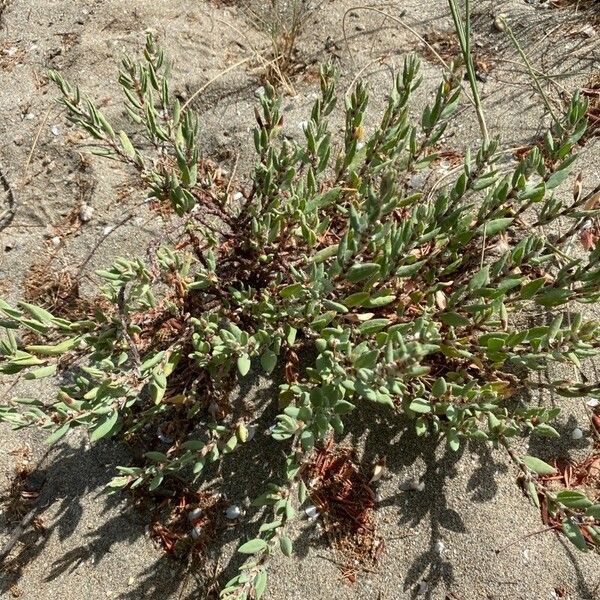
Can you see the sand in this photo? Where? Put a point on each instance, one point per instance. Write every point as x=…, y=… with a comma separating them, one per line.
x=96, y=546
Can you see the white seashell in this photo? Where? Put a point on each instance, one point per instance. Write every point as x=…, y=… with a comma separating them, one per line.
x=576, y=434
x=195, y=514
x=233, y=512
x=311, y=511
x=86, y=212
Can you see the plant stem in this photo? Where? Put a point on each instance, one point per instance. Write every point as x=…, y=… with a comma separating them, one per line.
x=463, y=31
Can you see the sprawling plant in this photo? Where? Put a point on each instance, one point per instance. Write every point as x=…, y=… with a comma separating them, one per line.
x=446, y=304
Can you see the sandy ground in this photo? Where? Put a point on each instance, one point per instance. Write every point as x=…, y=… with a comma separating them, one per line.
x=98, y=547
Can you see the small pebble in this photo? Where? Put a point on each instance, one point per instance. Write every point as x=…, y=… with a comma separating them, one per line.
x=378, y=497
x=195, y=514
x=55, y=241
x=233, y=512
x=311, y=511
x=9, y=245
x=422, y=588
x=499, y=24
x=593, y=402
x=10, y=51
x=107, y=229
x=86, y=213
x=196, y=532
x=131, y=581
x=439, y=548
x=413, y=485
x=576, y=434
x=238, y=196
x=55, y=129
x=30, y=116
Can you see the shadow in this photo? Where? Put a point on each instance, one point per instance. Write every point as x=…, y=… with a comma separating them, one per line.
x=76, y=476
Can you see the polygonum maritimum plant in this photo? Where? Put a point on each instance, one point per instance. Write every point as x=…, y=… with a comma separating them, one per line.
x=401, y=297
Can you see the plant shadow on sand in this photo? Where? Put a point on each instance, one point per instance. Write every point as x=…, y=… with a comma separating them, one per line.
x=76, y=476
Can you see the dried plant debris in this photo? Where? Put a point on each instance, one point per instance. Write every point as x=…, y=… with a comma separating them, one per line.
x=58, y=291
x=343, y=497
x=567, y=492
x=186, y=521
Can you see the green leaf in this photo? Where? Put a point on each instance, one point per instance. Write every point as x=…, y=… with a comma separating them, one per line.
x=324, y=254
x=362, y=271
x=105, y=426
x=546, y=430
x=537, y=465
x=268, y=360
x=357, y=299
x=373, y=325
x=480, y=278
x=454, y=319
x=594, y=511
x=285, y=543
x=420, y=405
x=48, y=371
x=574, y=535
x=410, y=270
x=253, y=546
x=573, y=499
x=494, y=226
x=58, y=433
x=243, y=364
x=156, y=481
x=294, y=289
x=453, y=440
x=56, y=350
x=532, y=288
x=127, y=145
x=260, y=584
x=439, y=387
